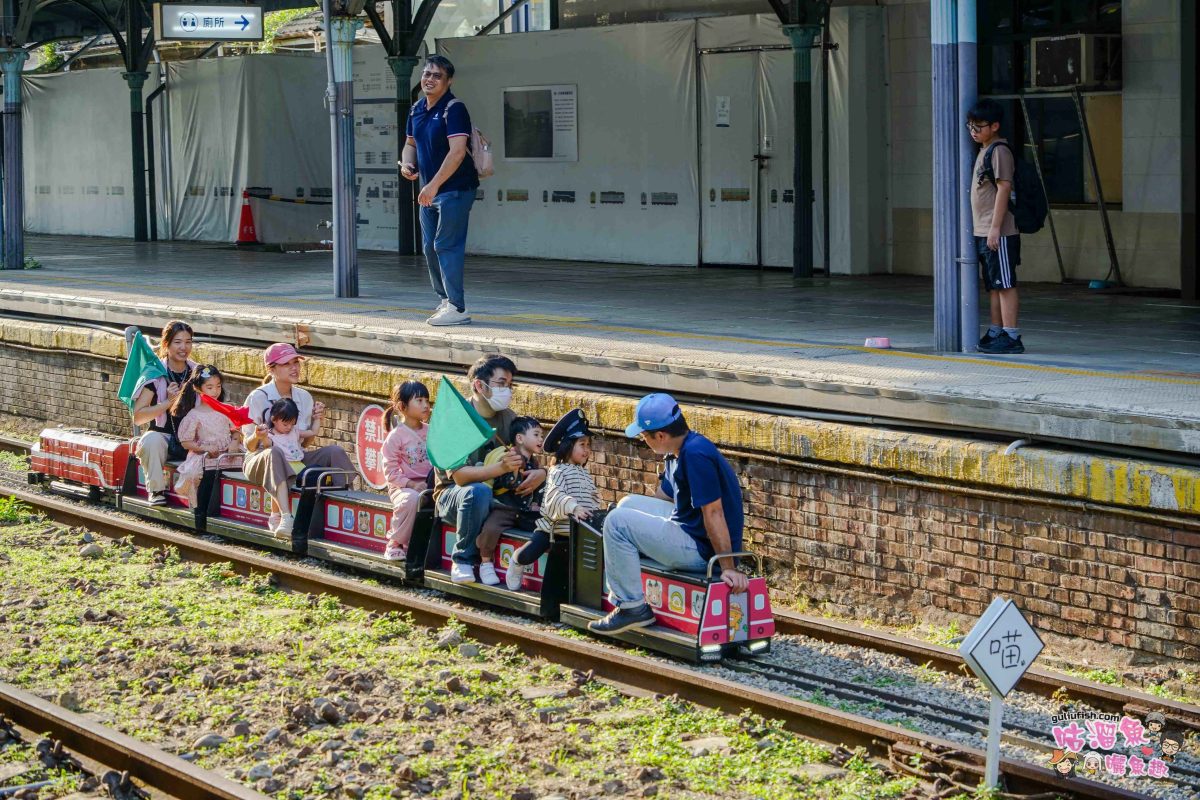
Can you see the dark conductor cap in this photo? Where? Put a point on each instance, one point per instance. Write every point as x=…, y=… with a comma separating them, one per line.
x=571, y=425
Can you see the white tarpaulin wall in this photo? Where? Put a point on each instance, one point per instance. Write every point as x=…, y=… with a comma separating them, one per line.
x=78, y=166
x=252, y=121
x=376, y=178
x=636, y=90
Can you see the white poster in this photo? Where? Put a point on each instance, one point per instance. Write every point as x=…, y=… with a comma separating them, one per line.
x=722, y=115
x=376, y=177
x=541, y=123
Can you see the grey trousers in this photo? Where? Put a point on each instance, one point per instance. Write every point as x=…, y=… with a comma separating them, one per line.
x=269, y=469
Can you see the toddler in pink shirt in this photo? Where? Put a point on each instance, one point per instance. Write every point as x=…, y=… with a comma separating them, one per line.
x=405, y=463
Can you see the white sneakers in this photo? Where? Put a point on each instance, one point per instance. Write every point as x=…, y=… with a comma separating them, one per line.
x=487, y=574
x=515, y=576
x=284, y=526
x=462, y=573
x=449, y=315
x=442, y=306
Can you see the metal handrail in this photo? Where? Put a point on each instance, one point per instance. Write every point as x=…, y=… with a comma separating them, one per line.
x=737, y=554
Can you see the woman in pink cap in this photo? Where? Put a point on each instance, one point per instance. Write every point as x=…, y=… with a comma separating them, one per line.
x=269, y=466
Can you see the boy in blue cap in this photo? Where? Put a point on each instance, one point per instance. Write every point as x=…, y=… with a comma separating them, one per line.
x=695, y=514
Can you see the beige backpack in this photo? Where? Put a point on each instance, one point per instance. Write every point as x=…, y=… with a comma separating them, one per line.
x=480, y=149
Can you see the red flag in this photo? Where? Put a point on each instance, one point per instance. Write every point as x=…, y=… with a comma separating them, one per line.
x=238, y=415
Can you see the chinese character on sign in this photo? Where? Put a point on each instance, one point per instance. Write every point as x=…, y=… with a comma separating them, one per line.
x=1115, y=764
x=1101, y=735
x=1157, y=768
x=1132, y=730
x=1137, y=767
x=208, y=22
x=1007, y=648
x=371, y=457
x=1069, y=738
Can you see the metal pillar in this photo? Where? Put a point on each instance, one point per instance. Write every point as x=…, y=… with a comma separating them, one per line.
x=11, y=62
x=968, y=262
x=137, y=130
x=402, y=68
x=943, y=37
x=340, y=41
x=802, y=38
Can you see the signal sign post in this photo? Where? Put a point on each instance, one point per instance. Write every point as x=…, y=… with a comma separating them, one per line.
x=999, y=649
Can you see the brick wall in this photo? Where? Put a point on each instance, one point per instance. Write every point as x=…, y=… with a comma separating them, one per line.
x=863, y=545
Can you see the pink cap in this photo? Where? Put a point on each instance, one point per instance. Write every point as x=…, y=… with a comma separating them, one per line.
x=280, y=353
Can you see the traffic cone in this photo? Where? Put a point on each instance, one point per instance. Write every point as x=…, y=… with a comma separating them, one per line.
x=246, y=232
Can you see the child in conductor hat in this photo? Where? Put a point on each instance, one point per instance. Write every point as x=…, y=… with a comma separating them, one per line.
x=570, y=491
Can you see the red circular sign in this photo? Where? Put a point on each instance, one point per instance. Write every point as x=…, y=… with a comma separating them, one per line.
x=368, y=443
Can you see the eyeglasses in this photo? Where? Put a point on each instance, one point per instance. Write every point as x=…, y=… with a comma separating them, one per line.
x=973, y=128
x=501, y=385
x=433, y=76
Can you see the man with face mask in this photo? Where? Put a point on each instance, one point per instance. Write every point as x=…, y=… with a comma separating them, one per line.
x=460, y=495
x=695, y=514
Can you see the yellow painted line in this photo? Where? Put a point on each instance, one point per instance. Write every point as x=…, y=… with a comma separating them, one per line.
x=571, y=323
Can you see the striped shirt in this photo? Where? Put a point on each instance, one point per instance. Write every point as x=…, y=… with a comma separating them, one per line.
x=568, y=487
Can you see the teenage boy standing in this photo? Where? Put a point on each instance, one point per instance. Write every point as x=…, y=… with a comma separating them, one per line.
x=997, y=242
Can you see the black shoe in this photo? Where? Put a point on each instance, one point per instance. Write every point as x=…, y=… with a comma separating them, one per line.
x=157, y=498
x=986, y=341
x=623, y=619
x=1003, y=345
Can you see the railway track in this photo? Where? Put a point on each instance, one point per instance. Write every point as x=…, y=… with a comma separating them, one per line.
x=944, y=764
x=123, y=767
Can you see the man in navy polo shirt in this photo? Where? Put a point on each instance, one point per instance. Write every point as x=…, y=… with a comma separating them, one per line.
x=439, y=128
x=695, y=514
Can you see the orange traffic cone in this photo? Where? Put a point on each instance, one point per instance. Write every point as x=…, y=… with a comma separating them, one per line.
x=246, y=232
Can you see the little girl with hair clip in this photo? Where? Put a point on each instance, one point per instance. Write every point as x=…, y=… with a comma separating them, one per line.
x=205, y=433
x=406, y=463
x=570, y=492
x=281, y=432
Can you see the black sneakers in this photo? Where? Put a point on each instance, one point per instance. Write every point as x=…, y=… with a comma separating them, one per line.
x=1002, y=345
x=986, y=341
x=623, y=619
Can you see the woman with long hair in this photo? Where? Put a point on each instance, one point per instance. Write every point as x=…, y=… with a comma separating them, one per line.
x=152, y=408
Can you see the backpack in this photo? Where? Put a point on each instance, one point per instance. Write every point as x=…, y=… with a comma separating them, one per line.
x=480, y=149
x=1030, y=208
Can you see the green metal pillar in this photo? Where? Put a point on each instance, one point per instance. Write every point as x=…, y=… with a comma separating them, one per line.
x=803, y=39
x=11, y=61
x=137, y=131
x=402, y=68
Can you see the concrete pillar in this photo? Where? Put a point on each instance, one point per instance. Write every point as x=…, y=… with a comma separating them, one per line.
x=802, y=38
x=137, y=137
x=340, y=42
x=402, y=68
x=11, y=62
x=944, y=58
x=968, y=90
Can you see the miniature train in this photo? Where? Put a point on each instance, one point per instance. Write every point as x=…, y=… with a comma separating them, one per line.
x=697, y=618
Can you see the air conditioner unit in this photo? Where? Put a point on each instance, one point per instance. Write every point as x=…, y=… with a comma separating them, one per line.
x=1083, y=59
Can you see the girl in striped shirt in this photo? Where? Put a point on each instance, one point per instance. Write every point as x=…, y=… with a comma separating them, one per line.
x=570, y=492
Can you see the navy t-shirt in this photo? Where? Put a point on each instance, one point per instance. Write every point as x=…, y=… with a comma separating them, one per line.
x=432, y=129
x=697, y=477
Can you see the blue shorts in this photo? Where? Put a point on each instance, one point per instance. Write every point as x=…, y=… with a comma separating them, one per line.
x=999, y=266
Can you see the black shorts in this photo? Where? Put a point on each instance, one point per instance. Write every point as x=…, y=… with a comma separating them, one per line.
x=999, y=266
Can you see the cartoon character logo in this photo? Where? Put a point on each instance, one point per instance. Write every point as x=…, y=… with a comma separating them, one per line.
x=736, y=617
x=255, y=499
x=1172, y=743
x=348, y=519
x=364, y=522
x=506, y=552
x=654, y=593
x=1064, y=762
x=380, y=526
x=332, y=515
x=227, y=494
x=268, y=504
x=698, y=604
x=241, y=497
x=675, y=599
x=1091, y=764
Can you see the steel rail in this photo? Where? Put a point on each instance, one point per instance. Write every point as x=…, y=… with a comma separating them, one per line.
x=618, y=666
x=151, y=766
x=1109, y=699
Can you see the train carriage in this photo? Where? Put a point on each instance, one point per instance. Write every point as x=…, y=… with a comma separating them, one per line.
x=239, y=509
x=351, y=528
x=80, y=463
x=544, y=586
x=135, y=499
x=696, y=616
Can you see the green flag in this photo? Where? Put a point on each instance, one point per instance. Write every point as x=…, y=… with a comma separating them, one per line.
x=141, y=368
x=455, y=430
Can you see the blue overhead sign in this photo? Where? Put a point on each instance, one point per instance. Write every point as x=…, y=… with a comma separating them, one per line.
x=186, y=22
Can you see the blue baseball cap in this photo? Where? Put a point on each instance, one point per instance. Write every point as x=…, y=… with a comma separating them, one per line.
x=654, y=412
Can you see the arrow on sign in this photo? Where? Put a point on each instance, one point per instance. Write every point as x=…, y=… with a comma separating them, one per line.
x=245, y=23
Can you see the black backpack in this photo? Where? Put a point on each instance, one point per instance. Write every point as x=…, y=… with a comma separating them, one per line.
x=1030, y=208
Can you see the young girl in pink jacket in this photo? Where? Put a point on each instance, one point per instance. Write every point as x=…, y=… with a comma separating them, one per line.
x=405, y=463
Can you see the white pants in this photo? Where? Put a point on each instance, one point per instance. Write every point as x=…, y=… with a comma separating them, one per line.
x=152, y=455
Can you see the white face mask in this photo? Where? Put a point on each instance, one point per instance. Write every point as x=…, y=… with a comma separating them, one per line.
x=500, y=399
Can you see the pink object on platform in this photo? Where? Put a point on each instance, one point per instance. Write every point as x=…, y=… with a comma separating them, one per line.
x=878, y=342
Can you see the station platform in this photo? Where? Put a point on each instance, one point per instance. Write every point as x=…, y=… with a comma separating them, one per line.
x=1108, y=369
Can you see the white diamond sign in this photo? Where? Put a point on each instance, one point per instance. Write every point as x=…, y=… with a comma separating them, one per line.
x=1001, y=646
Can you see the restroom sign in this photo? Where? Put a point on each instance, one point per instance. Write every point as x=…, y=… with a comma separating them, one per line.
x=208, y=23
x=368, y=445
